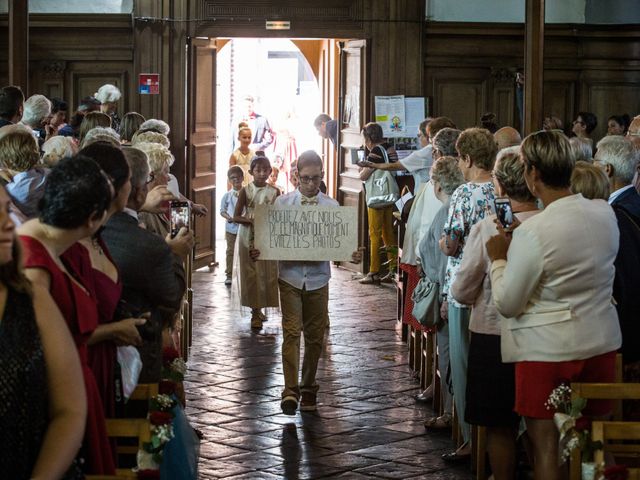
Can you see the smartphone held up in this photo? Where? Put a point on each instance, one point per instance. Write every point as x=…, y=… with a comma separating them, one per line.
x=504, y=212
x=180, y=216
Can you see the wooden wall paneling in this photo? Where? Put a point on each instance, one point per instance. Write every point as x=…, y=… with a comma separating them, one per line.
x=503, y=96
x=84, y=78
x=48, y=78
x=460, y=94
x=19, y=43
x=149, y=41
x=328, y=19
x=559, y=99
x=611, y=98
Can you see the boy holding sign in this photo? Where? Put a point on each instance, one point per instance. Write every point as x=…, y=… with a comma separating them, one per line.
x=304, y=297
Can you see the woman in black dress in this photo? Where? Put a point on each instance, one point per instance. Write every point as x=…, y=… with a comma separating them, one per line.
x=42, y=398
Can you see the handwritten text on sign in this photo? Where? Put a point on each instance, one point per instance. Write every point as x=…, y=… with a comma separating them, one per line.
x=285, y=232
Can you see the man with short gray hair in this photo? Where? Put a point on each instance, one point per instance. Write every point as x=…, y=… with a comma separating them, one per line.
x=151, y=268
x=619, y=160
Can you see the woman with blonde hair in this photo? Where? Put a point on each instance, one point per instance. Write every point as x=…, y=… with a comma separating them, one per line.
x=590, y=180
x=129, y=125
x=92, y=120
x=552, y=281
x=23, y=179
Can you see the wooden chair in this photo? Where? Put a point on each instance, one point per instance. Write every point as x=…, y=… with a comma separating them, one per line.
x=129, y=428
x=601, y=391
x=611, y=434
x=144, y=391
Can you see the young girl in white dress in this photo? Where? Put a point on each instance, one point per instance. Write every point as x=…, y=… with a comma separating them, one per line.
x=258, y=279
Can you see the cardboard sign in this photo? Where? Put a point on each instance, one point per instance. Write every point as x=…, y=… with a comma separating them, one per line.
x=309, y=233
x=149, y=84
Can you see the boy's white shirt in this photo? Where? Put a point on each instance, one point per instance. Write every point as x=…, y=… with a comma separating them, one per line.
x=228, y=205
x=299, y=274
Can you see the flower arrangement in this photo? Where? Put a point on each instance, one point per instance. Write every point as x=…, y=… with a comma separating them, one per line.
x=173, y=366
x=573, y=427
x=616, y=472
x=161, y=408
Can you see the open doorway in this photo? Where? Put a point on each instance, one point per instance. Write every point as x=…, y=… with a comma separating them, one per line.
x=284, y=89
x=291, y=82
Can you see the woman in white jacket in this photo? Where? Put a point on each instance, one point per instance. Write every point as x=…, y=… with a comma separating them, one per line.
x=552, y=281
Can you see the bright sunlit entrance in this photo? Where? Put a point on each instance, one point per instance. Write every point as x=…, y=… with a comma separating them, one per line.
x=272, y=79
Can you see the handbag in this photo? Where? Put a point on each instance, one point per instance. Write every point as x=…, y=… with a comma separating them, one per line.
x=426, y=304
x=381, y=188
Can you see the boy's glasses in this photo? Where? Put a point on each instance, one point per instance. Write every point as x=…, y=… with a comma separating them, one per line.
x=306, y=179
x=150, y=178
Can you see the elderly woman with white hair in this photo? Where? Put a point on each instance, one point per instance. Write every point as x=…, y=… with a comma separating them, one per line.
x=57, y=148
x=149, y=136
x=108, y=95
x=155, y=125
x=160, y=160
x=101, y=134
x=37, y=110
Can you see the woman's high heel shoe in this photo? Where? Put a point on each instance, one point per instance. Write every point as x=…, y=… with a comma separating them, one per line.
x=370, y=279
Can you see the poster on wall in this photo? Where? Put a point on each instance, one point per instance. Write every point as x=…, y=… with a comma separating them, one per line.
x=305, y=233
x=414, y=114
x=149, y=84
x=399, y=116
x=390, y=115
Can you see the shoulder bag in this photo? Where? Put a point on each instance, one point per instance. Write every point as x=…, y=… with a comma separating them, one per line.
x=381, y=188
x=426, y=304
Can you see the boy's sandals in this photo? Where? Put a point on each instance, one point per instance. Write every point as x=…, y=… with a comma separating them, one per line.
x=439, y=423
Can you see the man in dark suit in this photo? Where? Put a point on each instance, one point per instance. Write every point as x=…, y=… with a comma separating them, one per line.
x=259, y=125
x=151, y=269
x=619, y=159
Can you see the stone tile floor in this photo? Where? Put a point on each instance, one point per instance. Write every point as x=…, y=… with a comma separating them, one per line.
x=367, y=424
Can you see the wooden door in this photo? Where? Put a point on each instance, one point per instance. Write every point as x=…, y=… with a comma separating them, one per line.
x=353, y=114
x=201, y=144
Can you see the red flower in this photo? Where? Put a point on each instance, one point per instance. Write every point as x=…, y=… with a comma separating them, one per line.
x=169, y=354
x=167, y=387
x=583, y=424
x=149, y=474
x=160, y=418
x=616, y=472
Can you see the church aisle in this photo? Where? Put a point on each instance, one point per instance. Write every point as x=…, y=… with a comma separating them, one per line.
x=367, y=424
